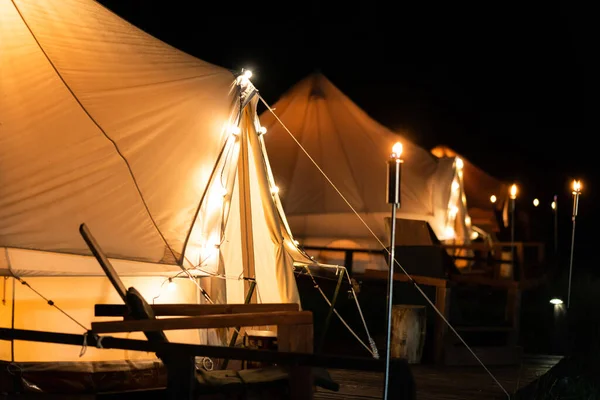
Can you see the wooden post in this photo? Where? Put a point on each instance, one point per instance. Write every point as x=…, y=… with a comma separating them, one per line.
x=513, y=316
x=298, y=338
x=348, y=260
x=442, y=303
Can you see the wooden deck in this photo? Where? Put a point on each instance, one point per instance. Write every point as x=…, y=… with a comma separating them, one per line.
x=444, y=383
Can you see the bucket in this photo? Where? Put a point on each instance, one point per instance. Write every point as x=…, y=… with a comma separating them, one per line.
x=408, y=332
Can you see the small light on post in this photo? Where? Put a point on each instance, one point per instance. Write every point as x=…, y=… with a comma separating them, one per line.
x=394, y=175
x=493, y=199
x=536, y=202
x=576, y=193
x=553, y=205
x=513, y=191
x=556, y=301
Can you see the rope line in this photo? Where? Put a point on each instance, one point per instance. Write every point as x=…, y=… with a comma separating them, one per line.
x=51, y=303
x=316, y=285
x=438, y=312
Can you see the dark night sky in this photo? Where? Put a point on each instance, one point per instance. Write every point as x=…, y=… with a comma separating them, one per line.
x=509, y=87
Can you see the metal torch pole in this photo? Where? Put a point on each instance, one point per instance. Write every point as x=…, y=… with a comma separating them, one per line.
x=555, y=224
x=512, y=233
x=393, y=193
x=575, y=209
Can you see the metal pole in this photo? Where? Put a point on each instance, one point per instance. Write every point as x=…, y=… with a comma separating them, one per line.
x=575, y=209
x=394, y=172
x=390, y=291
x=555, y=224
x=512, y=233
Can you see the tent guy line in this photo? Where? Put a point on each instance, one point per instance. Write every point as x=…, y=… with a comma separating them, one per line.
x=373, y=349
x=383, y=246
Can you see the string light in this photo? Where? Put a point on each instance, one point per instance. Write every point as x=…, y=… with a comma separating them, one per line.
x=536, y=202
x=171, y=286
x=262, y=130
x=274, y=190
x=493, y=199
x=459, y=163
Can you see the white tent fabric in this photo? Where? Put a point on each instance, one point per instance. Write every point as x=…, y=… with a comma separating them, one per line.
x=102, y=123
x=352, y=149
x=479, y=188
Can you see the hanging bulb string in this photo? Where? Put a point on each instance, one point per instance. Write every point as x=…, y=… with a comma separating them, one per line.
x=409, y=277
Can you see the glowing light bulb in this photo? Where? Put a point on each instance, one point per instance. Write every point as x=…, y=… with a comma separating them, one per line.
x=397, y=150
x=576, y=187
x=455, y=186
x=459, y=163
x=536, y=202
x=234, y=130
x=274, y=190
x=247, y=74
x=553, y=205
x=296, y=242
x=556, y=301
x=223, y=191
x=171, y=286
x=449, y=232
x=262, y=130
x=453, y=211
x=513, y=191
x=493, y=199
x=467, y=220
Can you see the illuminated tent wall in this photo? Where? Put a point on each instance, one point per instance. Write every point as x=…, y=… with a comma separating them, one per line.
x=479, y=188
x=352, y=149
x=152, y=148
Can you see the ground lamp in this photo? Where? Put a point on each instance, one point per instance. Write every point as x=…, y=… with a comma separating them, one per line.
x=394, y=176
x=554, y=206
x=513, y=197
x=576, y=193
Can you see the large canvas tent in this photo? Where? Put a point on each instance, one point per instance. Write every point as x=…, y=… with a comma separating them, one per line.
x=479, y=188
x=158, y=152
x=352, y=150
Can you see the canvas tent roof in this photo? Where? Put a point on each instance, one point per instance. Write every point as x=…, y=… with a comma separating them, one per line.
x=102, y=123
x=479, y=187
x=351, y=149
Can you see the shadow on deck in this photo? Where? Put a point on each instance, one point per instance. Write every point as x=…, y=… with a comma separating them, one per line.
x=445, y=383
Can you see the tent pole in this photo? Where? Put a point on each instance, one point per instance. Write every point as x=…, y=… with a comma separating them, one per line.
x=234, y=336
x=331, y=308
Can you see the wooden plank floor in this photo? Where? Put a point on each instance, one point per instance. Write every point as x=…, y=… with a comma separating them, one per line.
x=444, y=383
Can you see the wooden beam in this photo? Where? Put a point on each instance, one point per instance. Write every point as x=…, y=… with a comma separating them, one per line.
x=193, y=310
x=234, y=353
x=442, y=303
x=206, y=321
x=401, y=277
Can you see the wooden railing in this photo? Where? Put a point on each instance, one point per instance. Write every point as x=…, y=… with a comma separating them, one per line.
x=493, y=261
x=496, y=260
